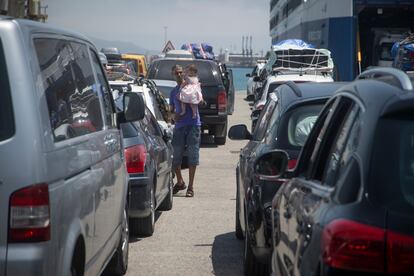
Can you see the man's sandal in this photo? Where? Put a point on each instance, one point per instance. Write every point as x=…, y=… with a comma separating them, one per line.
x=190, y=192
x=179, y=187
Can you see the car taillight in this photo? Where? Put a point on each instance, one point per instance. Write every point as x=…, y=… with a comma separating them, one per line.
x=135, y=157
x=400, y=253
x=222, y=101
x=30, y=215
x=292, y=163
x=350, y=245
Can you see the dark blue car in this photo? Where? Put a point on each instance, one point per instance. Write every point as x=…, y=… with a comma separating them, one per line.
x=284, y=124
x=348, y=206
x=148, y=157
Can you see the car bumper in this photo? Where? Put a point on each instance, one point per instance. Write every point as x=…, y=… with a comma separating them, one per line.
x=139, y=197
x=213, y=119
x=29, y=260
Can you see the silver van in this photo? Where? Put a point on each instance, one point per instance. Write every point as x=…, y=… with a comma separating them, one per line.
x=63, y=183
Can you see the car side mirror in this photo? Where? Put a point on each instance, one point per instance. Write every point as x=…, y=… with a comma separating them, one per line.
x=134, y=107
x=256, y=79
x=248, y=75
x=250, y=98
x=272, y=165
x=239, y=132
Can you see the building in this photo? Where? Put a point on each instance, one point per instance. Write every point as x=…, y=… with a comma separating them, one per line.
x=347, y=28
x=29, y=9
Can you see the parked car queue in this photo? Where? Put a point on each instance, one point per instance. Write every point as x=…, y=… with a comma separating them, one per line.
x=343, y=205
x=100, y=149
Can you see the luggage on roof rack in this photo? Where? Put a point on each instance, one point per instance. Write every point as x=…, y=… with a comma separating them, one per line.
x=297, y=55
x=403, y=54
x=200, y=51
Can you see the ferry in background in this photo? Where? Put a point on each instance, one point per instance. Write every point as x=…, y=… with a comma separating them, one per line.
x=355, y=31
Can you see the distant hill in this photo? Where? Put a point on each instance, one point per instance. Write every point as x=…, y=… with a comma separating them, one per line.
x=123, y=46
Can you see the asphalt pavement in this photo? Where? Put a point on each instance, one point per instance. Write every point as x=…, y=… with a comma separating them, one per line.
x=197, y=236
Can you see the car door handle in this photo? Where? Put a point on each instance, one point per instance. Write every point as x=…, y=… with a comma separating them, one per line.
x=110, y=142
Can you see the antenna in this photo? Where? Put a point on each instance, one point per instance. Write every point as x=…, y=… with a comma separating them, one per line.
x=243, y=45
x=251, y=49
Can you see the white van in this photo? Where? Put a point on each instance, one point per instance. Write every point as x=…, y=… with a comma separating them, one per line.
x=63, y=182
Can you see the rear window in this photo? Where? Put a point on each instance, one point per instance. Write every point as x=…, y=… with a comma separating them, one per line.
x=299, y=122
x=391, y=179
x=6, y=110
x=207, y=72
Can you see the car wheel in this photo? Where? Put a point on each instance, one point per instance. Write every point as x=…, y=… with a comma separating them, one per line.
x=119, y=262
x=252, y=267
x=167, y=203
x=239, y=231
x=145, y=226
x=74, y=271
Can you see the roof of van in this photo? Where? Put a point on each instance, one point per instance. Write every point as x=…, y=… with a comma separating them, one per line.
x=33, y=26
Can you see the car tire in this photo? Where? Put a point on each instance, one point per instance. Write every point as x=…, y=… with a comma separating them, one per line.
x=238, y=229
x=74, y=268
x=167, y=203
x=119, y=262
x=144, y=226
x=252, y=267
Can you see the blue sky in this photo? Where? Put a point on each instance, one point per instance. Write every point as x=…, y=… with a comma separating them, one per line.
x=219, y=22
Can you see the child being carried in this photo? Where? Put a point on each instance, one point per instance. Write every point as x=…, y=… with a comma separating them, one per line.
x=190, y=91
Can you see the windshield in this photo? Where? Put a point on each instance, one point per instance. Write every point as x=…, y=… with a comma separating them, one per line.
x=6, y=109
x=392, y=163
x=386, y=51
x=207, y=72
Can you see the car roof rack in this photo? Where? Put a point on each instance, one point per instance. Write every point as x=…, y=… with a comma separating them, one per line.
x=403, y=78
x=295, y=88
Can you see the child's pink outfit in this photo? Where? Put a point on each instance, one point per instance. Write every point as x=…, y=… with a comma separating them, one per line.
x=191, y=91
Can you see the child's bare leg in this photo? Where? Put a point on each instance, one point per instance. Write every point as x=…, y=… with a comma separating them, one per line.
x=182, y=109
x=194, y=110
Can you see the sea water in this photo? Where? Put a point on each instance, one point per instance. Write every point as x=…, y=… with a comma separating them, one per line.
x=239, y=78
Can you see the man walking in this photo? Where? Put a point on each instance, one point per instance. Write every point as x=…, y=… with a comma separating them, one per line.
x=186, y=135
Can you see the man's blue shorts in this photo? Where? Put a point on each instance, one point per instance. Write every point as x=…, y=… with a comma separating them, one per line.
x=186, y=136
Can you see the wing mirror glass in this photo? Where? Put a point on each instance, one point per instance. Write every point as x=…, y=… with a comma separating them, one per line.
x=134, y=107
x=272, y=165
x=248, y=75
x=239, y=132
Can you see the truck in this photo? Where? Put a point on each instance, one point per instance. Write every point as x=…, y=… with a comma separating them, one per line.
x=217, y=99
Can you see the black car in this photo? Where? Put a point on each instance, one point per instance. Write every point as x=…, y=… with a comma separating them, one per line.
x=284, y=124
x=148, y=157
x=214, y=113
x=348, y=207
x=227, y=78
